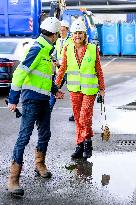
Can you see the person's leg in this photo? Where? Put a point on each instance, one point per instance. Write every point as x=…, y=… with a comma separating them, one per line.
x=44, y=134
x=76, y=99
x=85, y=121
x=29, y=115
x=86, y=115
x=71, y=118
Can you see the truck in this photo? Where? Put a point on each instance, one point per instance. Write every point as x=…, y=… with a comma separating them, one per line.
x=60, y=10
x=86, y=16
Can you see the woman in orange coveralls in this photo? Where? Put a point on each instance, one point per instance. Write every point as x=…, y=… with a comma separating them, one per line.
x=85, y=79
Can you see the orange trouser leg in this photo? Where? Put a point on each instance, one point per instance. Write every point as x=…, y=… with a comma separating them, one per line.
x=86, y=115
x=83, y=113
x=76, y=99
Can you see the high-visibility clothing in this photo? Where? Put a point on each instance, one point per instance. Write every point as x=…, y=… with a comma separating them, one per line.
x=82, y=78
x=60, y=44
x=38, y=76
x=83, y=111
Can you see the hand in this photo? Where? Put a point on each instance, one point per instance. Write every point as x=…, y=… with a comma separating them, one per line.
x=59, y=95
x=102, y=93
x=12, y=107
x=56, y=63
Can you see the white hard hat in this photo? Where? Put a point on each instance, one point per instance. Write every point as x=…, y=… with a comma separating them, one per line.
x=78, y=25
x=65, y=23
x=51, y=24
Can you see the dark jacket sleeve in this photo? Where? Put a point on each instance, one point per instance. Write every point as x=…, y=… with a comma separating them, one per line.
x=54, y=88
x=14, y=97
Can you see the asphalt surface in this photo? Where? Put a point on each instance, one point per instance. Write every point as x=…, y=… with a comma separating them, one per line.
x=108, y=177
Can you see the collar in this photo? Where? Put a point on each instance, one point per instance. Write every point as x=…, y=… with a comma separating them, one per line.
x=47, y=39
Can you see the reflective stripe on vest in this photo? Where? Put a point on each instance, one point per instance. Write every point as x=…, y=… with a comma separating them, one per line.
x=42, y=91
x=23, y=67
x=82, y=78
x=37, y=78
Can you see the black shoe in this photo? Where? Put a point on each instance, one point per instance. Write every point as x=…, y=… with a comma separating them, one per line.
x=78, y=152
x=87, y=149
x=71, y=118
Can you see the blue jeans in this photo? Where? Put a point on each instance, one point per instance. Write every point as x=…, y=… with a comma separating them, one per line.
x=52, y=96
x=33, y=111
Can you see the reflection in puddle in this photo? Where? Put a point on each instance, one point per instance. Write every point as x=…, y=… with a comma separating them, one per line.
x=105, y=179
x=113, y=172
x=83, y=169
x=116, y=171
x=71, y=167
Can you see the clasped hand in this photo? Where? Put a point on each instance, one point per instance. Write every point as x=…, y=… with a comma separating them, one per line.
x=59, y=94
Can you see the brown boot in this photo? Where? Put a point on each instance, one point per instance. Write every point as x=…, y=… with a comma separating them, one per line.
x=13, y=179
x=40, y=166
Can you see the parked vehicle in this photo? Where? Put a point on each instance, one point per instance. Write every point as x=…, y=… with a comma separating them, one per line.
x=11, y=52
x=5, y=72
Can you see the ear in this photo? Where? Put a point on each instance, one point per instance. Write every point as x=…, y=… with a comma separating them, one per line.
x=53, y=37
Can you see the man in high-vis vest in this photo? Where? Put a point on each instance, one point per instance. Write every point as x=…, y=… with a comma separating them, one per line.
x=33, y=80
x=85, y=79
x=58, y=52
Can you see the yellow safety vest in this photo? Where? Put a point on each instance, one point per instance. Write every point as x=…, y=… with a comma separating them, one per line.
x=82, y=78
x=38, y=76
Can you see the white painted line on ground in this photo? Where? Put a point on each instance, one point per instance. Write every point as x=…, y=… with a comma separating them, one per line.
x=6, y=107
x=105, y=65
x=127, y=58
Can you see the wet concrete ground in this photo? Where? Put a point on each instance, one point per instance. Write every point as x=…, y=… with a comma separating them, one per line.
x=107, y=178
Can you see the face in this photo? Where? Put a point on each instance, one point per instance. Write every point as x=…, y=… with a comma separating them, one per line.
x=63, y=32
x=78, y=37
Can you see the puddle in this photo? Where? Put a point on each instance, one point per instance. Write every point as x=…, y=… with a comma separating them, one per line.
x=115, y=171
x=119, y=121
x=83, y=168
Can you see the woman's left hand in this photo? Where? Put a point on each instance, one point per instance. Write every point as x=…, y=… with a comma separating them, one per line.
x=59, y=95
x=102, y=93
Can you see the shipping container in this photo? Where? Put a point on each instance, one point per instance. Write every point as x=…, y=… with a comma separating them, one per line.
x=20, y=17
